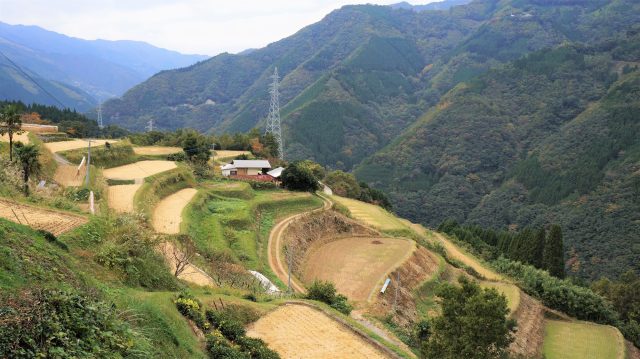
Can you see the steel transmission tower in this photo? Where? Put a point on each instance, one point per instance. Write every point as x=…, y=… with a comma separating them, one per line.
x=100, y=124
x=149, y=125
x=273, y=121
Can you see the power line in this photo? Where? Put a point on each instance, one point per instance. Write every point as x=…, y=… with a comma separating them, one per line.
x=32, y=80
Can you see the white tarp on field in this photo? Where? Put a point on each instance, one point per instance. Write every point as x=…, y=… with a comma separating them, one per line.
x=269, y=287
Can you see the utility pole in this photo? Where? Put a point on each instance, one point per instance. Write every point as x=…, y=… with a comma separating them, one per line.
x=273, y=120
x=290, y=255
x=395, y=300
x=88, y=164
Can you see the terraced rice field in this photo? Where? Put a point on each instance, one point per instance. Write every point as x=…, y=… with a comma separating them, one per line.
x=39, y=218
x=370, y=214
x=24, y=138
x=167, y=215
x=221, y=154
x=140, y=169
x=510, y=291
x=120, y=197
x=74, y=144
x=579, y=340
x=316, y=335
x=156, y=150
x=69, y=176
x=357, y=265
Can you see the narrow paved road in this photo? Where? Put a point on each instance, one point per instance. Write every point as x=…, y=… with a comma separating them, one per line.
x=276, y=260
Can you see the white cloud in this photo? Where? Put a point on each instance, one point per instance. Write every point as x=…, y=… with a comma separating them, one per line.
x=189, y=26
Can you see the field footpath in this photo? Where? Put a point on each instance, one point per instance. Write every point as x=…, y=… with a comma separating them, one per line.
x=275, y=244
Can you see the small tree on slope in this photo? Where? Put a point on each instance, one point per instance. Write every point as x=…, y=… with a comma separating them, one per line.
x=28, y=158
x=473, y=324
x=10, y=124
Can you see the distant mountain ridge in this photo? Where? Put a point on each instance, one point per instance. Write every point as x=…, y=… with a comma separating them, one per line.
x=438, y=5
x=100, y=68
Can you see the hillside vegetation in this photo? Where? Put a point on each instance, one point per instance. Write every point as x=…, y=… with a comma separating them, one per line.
x=550, y=138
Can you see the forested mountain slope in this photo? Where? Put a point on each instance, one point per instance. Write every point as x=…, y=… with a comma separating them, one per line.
x=353, y=81
x=550, y=138
x=18, y=85
x=101, y=68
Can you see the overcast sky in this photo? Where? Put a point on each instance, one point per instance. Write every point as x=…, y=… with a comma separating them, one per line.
x=204, y=27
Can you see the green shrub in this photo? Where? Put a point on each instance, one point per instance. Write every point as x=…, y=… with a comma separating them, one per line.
x=191, y=308
x=326, y=292
x=258, y=185
x=256, y=348
x=64, y=324
x=559, y=294
x=177, y=157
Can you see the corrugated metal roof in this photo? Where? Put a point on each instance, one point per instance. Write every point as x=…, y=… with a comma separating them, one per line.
x=276, y=172
x=251, y=164
x=228, y=166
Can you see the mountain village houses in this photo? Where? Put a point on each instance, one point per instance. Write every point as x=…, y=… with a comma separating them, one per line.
x=257, y=170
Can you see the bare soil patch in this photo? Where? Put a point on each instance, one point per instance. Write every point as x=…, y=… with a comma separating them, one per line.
x=316, y=335
x=355, y=265
x=191, y=273
x=69, y=175
x=167, y=215
x=140, y=169
x=120, y=197
x=39, y=218
x=156, y=150
x=422, y=266
x=530, y=334
x=74, y=144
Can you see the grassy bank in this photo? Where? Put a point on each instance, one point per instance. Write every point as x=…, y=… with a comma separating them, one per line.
x=161, y=185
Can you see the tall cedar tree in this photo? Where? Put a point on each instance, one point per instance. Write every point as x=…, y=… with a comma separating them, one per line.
x=537, y=248
x=473, y=323
x=553, y=257
x=10, y=123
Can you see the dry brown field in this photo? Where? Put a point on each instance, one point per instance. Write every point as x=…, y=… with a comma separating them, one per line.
x=140, y=169
x=317, y=336
x=167, y=215
x=156, y=150
x=40, y=218
x=74, y=144
x=357, y=265
x=120, y=197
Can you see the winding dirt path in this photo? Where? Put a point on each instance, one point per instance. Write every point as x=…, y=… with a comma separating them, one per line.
x=276, y=261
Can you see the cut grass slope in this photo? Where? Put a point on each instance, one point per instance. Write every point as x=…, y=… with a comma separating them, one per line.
x=580, y=340
x=372, y=215
x=357, y=265
x=220, y=223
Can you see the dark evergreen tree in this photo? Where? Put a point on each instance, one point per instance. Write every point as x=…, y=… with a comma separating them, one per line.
x=536, y=257
x=553, y=257
x=465, y=309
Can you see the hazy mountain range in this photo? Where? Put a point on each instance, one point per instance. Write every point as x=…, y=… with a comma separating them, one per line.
x=77, y=72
